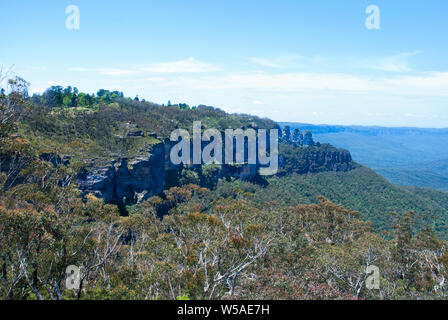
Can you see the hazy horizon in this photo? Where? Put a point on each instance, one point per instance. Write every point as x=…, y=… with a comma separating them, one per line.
x=362, y=126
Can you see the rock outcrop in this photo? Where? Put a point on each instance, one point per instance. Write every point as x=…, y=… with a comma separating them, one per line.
x=125, y=181
x=297, y=138
x=317, y=158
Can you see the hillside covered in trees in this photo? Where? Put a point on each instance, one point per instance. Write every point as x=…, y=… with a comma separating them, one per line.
x=404, y=156
x=203, y=232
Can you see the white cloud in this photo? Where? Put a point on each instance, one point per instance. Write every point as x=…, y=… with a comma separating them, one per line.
x=266, y=62
x=80, y=69
x=432, y=83
x=429, y=84
x=189, y=65
x=411, y=115
x=279, y=62
x=281, y=82
x=310, y=83
x=155, y=79
x=395, y=63
x=117, y=72
x=106, y=71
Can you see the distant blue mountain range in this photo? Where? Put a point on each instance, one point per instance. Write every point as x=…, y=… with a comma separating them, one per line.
x=405, y=156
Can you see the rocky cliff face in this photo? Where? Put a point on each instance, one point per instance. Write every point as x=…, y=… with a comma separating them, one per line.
x=326, y=161
x=314, y=159
x=125, y=181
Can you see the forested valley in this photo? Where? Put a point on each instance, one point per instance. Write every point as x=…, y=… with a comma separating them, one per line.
x=309, y=232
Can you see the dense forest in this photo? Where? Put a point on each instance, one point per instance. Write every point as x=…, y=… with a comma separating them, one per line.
x=405, y=156
x=309, y=232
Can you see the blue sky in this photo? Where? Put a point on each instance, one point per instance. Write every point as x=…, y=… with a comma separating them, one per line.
x=305, y=61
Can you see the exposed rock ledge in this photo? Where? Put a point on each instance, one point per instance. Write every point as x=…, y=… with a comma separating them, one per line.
x=125, y=181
